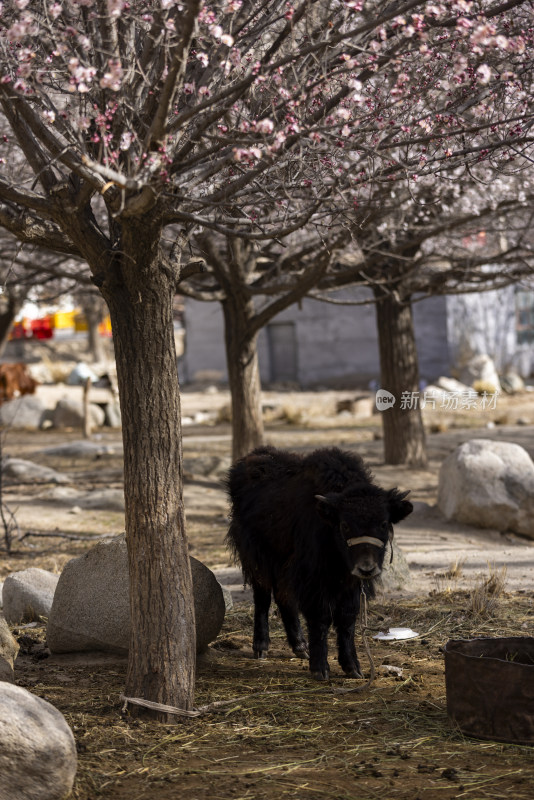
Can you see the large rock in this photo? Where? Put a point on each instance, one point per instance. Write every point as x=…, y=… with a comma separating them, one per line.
x=27, y=411
x=396, y=573
x=68, y=413
x=82, y=449
x=489, y=484
x=28, y=595
x=37, y=748
x=91, y=603
x=481, y=370
x=28, y=472
x=8, y=651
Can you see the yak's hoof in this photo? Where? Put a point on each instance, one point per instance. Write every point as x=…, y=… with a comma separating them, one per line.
x=319, y=675
x=301, y=650
x=260, y=653
x=353, y=673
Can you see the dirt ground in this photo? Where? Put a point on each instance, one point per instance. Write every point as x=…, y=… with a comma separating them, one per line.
x=283, y=735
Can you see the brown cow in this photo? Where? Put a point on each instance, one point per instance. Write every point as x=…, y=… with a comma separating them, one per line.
x=15, y=380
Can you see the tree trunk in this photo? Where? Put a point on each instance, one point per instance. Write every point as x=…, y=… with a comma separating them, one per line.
x=94, y=310
x=86, y=409
x=161, y=662
x=243, y=377
x=95, y=343
x=7, y=318
x=404, y=434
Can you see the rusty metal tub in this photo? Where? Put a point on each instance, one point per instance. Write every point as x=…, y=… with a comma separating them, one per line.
x=490, y=687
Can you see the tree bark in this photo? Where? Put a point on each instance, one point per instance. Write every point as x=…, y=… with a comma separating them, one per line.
x=161, y=661
x=7, y=318
x=243, y=376
x=94, y=310
x=404, y=434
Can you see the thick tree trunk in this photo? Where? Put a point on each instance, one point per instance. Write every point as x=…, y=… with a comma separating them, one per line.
x=243, y=377
x=404, y=434
x=161, y=662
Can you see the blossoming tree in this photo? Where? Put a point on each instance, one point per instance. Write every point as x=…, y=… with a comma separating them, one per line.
x=128, y=123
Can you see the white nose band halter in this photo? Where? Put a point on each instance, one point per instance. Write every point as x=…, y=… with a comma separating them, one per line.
x=365, y=540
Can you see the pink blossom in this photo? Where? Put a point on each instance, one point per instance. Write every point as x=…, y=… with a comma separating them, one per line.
x=203, y=58
x=112, y=79
x=265, y=126
x=84, y=123
x=55, y=10
x=485, y=73
x=115, y=7
x=231, y=6
x=189, y=88
x=126, y=140
x=204, y=91
x=216, y=31
x=462, y=22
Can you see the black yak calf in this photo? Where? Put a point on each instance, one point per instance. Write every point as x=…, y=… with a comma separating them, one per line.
x=311, y=530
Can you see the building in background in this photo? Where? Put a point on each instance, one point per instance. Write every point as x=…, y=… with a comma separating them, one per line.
x=315, y=344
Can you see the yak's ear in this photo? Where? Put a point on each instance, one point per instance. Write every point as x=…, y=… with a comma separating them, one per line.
x=399, y=508
x=327, y=506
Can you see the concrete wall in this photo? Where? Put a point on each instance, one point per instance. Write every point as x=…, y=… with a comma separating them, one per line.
x=336, y=344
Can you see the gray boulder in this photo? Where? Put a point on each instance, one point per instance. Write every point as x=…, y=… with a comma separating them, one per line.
x=101, y=499
x=28, y=472
x=8, y=651
x=22, y=412
x=28, y=595
x=112, y=413
x=68, y=413
x=490, y=485
x=481, y=369
x=37, y=749
x=396, y=573
x=82, y=449
x=512, y=383
x=91, y=604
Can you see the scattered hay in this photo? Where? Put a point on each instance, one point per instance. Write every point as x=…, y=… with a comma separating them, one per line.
x=487, y=593
x=446, y=582
x=485, y=387
x=285, y=736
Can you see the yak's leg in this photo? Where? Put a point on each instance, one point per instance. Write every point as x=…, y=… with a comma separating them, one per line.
x=290, y=618
x=262, y=603
x=345, y=622
x=318, y=643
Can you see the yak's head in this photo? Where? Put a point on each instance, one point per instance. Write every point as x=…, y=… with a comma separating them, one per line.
x=362, y=517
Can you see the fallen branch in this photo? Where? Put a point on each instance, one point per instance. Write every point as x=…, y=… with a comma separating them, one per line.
x=72, y=536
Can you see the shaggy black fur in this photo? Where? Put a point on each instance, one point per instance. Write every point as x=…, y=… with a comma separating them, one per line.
x=292, y=516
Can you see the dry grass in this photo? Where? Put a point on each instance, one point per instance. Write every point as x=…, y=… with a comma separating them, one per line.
x=488, y=593
x=286, y=736
x=447, y=581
